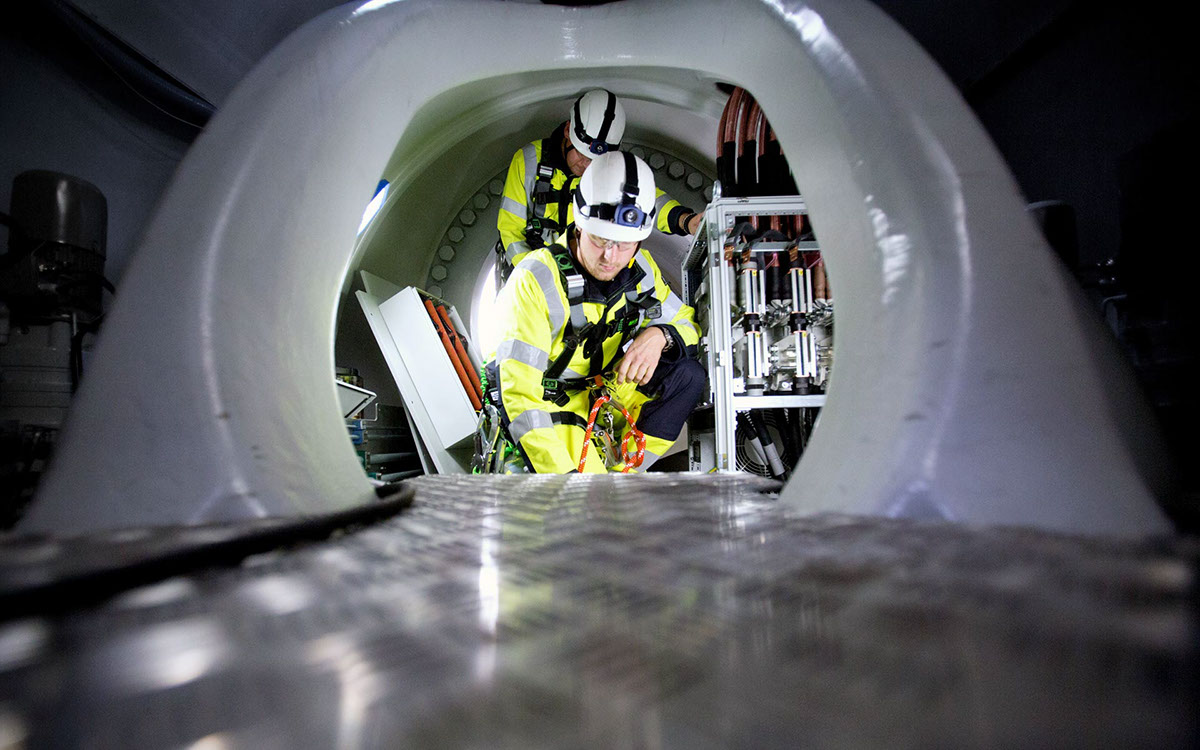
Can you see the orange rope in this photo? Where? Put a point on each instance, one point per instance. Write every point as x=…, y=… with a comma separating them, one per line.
x=631, y=461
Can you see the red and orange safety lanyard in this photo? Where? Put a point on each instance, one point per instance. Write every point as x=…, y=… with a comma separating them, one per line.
x=631, y=461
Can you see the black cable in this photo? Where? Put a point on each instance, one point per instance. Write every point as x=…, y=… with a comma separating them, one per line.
x=9, y=259
x=31, y=454
x=29, y=589
x=76, y=349
x=788, y=428
x=75, y=360
x=132, y=68
x=78, y=277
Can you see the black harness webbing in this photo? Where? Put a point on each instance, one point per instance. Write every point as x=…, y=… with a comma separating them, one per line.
x=544, y=194
x=569, y=418
x=639, y=306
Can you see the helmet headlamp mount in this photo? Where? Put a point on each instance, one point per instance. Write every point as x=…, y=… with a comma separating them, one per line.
x=626, y=213
x=598, y=144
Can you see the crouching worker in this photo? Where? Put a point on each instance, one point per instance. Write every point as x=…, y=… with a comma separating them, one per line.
x=593, y=304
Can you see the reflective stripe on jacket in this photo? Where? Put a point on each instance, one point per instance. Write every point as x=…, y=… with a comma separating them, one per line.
x=534, y=321
x=518, y=209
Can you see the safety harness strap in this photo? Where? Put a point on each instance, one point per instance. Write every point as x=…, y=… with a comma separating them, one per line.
x=539, y=230
x=569, y=418
x=558, y=389
x=542, y=186
x=543, y=189
x=578, y=330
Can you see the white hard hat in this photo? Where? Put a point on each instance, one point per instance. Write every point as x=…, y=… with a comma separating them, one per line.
x=597, y=123
x=615, y=198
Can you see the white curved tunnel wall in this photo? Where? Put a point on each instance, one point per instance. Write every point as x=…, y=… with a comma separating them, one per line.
x=960, y=390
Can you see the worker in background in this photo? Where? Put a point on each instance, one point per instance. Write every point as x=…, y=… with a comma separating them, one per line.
x=594, y=302
x=542, y=175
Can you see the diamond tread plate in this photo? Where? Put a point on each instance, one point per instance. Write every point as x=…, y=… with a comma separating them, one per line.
x=661, y=611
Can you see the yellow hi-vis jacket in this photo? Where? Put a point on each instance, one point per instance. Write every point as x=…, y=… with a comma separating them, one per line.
x=535, y=318
x=527, y=222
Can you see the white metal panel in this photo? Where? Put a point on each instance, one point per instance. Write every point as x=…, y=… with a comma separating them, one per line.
x=434, y=378
x=421, y=421
x=378, y=287
x=352, y=398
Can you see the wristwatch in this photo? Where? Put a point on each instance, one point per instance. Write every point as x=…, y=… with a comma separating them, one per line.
x=670, y=341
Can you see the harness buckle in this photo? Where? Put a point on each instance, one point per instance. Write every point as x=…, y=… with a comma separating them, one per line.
x=574, y=286
x=597, y=387
x=554, y=392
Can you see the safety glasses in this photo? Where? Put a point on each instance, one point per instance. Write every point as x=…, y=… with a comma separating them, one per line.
x=602, y=244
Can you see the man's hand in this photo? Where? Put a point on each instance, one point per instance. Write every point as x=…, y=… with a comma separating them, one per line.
x=641, y=358
x=693, y=224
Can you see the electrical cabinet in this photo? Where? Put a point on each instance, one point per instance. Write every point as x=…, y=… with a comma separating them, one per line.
x=767, y=337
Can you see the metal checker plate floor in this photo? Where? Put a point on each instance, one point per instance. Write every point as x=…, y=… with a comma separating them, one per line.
x=660, y=611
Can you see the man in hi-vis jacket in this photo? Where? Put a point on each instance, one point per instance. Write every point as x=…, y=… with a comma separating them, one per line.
x=595, y=303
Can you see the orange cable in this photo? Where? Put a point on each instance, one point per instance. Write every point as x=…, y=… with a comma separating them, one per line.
x=456, y=339
x=462, y=375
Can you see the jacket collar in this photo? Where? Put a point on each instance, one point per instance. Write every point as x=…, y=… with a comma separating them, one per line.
x=594, y=290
